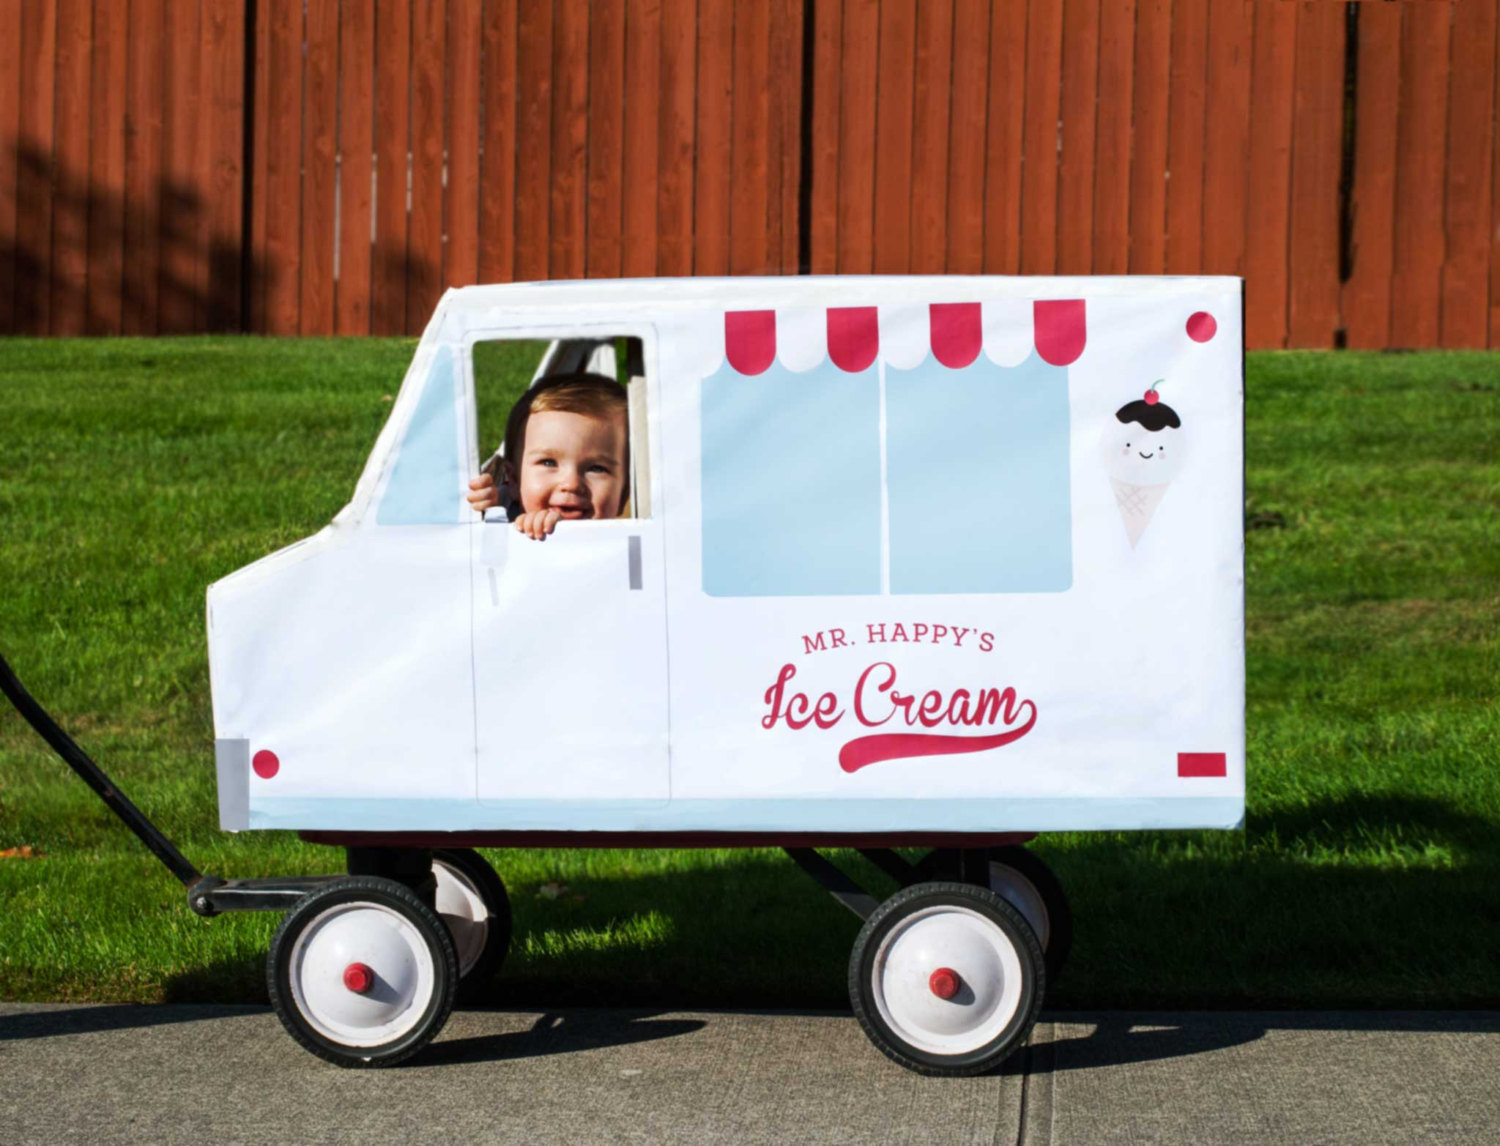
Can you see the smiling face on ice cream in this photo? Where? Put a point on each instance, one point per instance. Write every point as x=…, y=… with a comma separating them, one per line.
x=1143, y=444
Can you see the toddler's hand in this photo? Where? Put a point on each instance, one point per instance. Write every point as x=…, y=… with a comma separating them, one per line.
x=482, y=493
x=537, y=524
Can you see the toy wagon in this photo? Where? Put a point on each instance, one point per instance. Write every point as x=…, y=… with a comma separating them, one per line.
x=907, y=561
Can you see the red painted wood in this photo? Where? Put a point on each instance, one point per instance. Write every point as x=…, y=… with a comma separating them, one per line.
x=969, y=105
x=749, y=206
x=1469, y=168
x=1366, y=304
x=1076, y=170
x=282, y=138
x=70, y=204
x=497, y=203
x=1272, y=65
x=320, y=125
x=857, y=165
x=259, y=174
x=715, y=112
x=786, y=134
x=893, y=137
x=464, y=96
x=606, y=140
x=642, y=135
x=1005, y=129
x=222, y=134
x=570, y=106
x=1226, y=136
x=106, y=220
x=1313, y=266
x=826, y=93
x=10, y=145
x=678, y=131
x=533, y=140
x=356, y=143
x=1148, y=168
x=1111, y=234
x=1043, y=107
x=931, y=102
x=1186, y=103
x=1421, y=149
x=183, y=200
x=424, y=241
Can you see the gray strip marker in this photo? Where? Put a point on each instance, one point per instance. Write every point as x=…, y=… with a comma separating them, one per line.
x=635, y=562
x=232, y=763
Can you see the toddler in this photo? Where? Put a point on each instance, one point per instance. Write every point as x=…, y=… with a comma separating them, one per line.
x=566, y=455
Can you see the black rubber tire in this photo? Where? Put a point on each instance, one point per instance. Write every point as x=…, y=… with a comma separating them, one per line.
x=477, y=870
x=1025, y=862
x=888, y=916
x=386, y=893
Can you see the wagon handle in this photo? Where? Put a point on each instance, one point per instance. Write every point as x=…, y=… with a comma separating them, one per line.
x=94, y=777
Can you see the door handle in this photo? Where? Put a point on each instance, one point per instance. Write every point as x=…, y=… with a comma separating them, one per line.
x=633, y=559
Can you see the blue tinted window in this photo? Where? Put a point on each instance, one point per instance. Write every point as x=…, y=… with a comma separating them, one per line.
x=424, y=486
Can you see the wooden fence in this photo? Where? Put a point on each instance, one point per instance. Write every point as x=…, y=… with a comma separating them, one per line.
x=328, y=167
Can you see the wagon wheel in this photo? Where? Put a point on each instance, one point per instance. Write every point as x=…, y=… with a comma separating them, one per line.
x=473, y=903
x=362, y=972
x=946, y=978
x=1024, y=881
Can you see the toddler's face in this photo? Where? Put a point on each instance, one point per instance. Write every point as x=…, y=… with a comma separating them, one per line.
x=573, y=463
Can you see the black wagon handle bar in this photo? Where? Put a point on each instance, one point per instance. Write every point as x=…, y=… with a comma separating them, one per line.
x=94, y=777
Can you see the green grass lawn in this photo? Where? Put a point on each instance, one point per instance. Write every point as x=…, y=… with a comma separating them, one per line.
x=133, y=473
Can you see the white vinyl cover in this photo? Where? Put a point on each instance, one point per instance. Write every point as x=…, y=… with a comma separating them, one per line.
x=924, y=554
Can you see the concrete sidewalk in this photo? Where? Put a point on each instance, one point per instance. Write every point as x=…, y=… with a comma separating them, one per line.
x=180, y=1074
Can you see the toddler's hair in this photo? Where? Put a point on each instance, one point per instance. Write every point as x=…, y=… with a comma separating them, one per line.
x=592, y=395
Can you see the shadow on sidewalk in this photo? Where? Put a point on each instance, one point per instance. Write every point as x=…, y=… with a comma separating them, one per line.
x=559, y=1033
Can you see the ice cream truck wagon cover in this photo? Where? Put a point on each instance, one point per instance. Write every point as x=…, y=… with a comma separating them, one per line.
x=903, y=554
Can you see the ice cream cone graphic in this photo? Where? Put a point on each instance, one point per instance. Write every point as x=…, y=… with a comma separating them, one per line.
x=1142, y=450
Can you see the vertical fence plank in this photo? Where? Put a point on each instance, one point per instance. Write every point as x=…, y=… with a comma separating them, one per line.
x=106, y=223
x=183, y=203
x=675, y=148
x=1111, y=233
x=1186, y=102
x=461, y=211
x=642, y=133
x=856, y=249
x=282, y=139
x=893, y=137
x=1420, y=153
x=1005, y=126
x=929, y=148
x=10, y=147
x=715, y=106
x=70, y=202
x=1313, y=311
x=825, y=91
x=966, y=138
x=392, y=142
x=497, y=233
x=749, y=159
x=606, y=131
x=1272, y=68
x=1148, y=167
x=320, y=135
x=224, y=156
x=786, y=134
x=570, y=106
x=143, y=153
x=1044, y=20
x=1075, y=176
x=356, y=141
x=1226, y=178
x=424, y=242
x=1471, y=136
x=34, y=176
x=1367, y=293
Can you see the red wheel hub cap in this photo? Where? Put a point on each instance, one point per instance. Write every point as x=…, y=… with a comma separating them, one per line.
x=945, y=982
x=359, y=978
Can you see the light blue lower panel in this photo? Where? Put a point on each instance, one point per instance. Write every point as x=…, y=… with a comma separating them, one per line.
x=751, y=815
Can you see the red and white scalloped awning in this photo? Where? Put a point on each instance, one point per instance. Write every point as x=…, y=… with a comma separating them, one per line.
x=1005, y=331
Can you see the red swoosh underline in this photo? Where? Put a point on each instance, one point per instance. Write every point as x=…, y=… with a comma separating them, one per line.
x=902, y=745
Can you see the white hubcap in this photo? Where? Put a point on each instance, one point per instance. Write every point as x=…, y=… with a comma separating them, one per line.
x=382, y=940
x=463, y=910
x=960, y=940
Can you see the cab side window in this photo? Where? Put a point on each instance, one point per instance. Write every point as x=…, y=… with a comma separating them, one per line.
x=424, y=487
